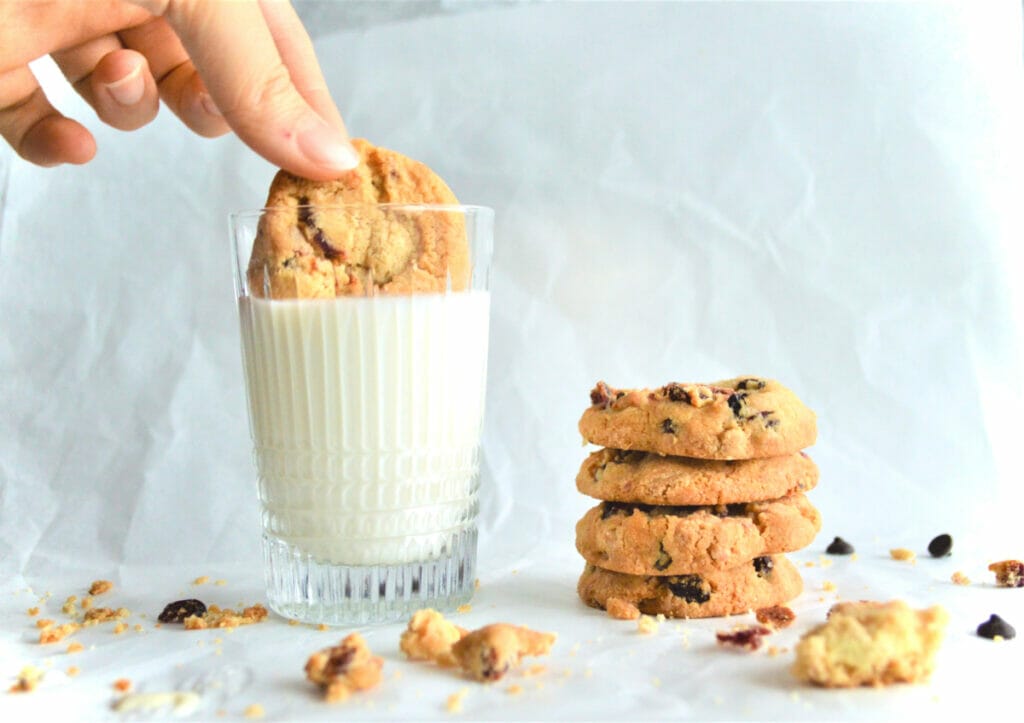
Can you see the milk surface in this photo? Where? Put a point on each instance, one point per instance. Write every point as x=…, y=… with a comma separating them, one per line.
x=365, y=415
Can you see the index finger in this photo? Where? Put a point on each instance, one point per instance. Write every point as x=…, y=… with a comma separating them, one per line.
x=234, y=52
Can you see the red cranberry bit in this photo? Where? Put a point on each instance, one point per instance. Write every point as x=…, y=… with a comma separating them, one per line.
x=776, y=616
x=1009, y=573
x=602, y=395
x=745, y=638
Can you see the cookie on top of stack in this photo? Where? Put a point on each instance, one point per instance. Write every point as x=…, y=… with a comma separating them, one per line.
x=701, y=488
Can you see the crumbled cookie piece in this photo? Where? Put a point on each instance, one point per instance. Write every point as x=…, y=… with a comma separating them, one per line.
x=74, y=647
x=746, y=637
x=621, y=609
x=464, y=608
x=488, y=653
x=104, y=615
x=87, y=602
x=345, y=668
x=995, y=628
x=839, y=546
x=28, y=680
x=216, y=617
x=70, y=606
x=56, y=633
x=828, y=586
x=99, y=587
x=903, y=554
x=647, y=624
x=32, y=612
x=201, y=580
x=941, y=545
x=44, y=622
x=871, y=643
x=776, y=616
x=959, y=578
x=430, y=637
x=177, y=611
x=454, y=702
x=72, y=671
x=253, y=711
x=122, y=685
x=1009, y=573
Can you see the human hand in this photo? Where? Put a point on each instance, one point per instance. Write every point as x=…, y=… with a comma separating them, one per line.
x=245, y=65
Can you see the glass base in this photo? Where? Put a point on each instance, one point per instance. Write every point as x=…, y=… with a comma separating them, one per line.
x=302, y=588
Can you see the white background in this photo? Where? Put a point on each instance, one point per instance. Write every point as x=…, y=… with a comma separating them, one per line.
x=827, y=194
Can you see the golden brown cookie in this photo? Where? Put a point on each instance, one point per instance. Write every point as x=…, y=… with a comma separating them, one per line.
x=488, y=653
x=647, y=540
x=344, y=668
x=632, y=476
x=871, y=643
x=742, y=418
x=321, y=239
x=769, y=580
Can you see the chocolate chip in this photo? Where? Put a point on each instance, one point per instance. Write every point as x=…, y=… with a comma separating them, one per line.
x=996, y=626
x=751, y=384
x=664, y=559
x=735, y=401
x=690, y=588
x=668, y=426
x=763, y=565
x=676, y=393
x=839, y=546
x=940, y=546
x=177, y=611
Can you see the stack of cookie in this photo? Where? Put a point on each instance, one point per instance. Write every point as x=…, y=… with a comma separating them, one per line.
x=702, y=489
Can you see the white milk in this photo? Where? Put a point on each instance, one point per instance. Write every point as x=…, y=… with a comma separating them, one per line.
x=366, y=415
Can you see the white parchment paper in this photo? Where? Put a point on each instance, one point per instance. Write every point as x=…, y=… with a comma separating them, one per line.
x=827, y=194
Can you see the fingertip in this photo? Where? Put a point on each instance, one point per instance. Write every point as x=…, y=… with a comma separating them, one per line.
x=54, y=140
x=328, y=152
x=199, y=111
x=123, y=90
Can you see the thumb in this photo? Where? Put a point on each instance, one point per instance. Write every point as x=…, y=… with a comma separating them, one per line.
x=234, y=53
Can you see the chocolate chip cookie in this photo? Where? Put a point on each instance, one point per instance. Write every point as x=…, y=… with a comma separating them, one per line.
x=768, y=580
x=322, y=239
x=632, y=476
x=742, y=418
x=656, y=540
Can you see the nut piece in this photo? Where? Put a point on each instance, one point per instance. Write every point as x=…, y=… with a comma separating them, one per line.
x=488, y=653
x=871, y=643
x=430, y=637
x=1009, y=573
x=344, y=669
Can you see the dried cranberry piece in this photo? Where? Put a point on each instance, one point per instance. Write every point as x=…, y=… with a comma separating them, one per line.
x=601, y=395
x=839, y=546
x=688, y=587
x=668, y=426
x=996, y=626
x=941, y=546
x=763, y=565
x=177, y=611
x=748, y=638
x=338, y=661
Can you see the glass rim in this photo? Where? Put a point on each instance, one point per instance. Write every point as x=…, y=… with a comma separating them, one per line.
x=450, y=207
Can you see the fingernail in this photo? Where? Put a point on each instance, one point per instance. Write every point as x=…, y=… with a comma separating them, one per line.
x=326, y=146
x=209, y=106
x=128, y=90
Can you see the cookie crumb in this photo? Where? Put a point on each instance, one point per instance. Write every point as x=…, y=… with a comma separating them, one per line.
x=454, y=702
x=476, y=584
x=227, y=618
x=322, y=627
x=32, y=612
x=44, y=623
x=903, y=555
x=514, y=689
x=28, y=680
x=647, y=625
x=828, y=586
x=490, y=652
x=776, y=616
x=745, y=637
x=75, y=647
x=1009, y=573
x=345, y=668
x=293, y=623
x=253, y=711
x=72, y=671
x=808, y=564
x=98, y=587
x=533, y=670
x=464, y=608
x=70, y=606
x=959, y=578
x=122, y=685
x=220, y=583
x=429, y=636
x=104, y=615
x=201, y=580
x=621, y=609
x=56, y=633
x=120, y=628
x=87, y=602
